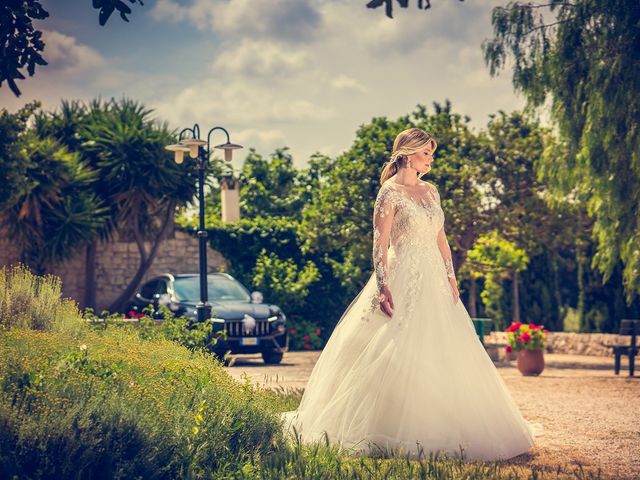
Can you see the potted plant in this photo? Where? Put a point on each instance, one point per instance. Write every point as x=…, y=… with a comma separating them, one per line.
x=528, y=341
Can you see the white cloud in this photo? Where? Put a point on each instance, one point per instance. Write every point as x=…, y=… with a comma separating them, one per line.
x=254, y=58
x=291, y=20
x=63, y=52
x=295, y=72
x=344, y=82
x=241, y=103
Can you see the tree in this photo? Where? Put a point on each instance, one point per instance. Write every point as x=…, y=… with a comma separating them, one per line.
x=271, y=187
x=495, y=259
x=48, y=208
x=338, y=220
x=586, y=61
x=135, y=177
x=22, y=44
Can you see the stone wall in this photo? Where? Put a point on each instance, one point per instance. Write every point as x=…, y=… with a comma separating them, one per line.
x=117, y=261
x=573, y=343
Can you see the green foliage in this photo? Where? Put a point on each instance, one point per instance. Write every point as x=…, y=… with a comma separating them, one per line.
x=494, y=259
x=117, y=401
x=35, y=302
x=111, y=405
x=93, y=170
x=272, y=187
x=586, y=62
x=241, y=242
x=282, y=281
x=341, y=208
x=304, y=335
x=22, y=44
x=54, y=211
x=14, y=170
x=182, y=330
x=107, y=7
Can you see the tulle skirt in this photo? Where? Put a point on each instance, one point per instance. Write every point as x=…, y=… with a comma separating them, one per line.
x=417, y=383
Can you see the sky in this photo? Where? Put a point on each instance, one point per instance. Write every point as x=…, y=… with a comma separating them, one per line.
x=298, y=73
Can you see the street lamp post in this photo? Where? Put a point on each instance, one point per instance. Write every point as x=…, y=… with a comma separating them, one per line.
x=195, y=147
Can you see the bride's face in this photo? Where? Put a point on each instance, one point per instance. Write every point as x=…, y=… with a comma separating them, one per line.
x=423, y=159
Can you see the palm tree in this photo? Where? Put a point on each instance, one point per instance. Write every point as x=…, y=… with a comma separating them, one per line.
x=54, y=212
x=137, y=177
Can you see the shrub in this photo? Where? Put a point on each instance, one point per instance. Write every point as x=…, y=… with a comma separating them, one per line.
x=32, y=301
x=304, y=335
x=118, y=406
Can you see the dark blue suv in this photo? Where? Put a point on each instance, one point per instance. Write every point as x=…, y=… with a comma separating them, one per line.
x=251, y=326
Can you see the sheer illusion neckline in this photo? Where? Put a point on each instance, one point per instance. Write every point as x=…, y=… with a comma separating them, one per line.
x=425, y=199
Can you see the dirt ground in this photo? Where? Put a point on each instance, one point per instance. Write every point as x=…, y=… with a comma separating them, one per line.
x=590, y=415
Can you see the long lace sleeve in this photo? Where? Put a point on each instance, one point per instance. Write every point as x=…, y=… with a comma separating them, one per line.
x=383, y=212
x=443, y=244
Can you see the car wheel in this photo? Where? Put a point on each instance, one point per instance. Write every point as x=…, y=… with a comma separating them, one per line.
x=272, y=357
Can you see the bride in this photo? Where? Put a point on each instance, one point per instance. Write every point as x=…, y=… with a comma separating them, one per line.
x=404, y=370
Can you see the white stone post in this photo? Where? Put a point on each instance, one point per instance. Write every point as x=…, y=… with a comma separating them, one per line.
x=230, y=198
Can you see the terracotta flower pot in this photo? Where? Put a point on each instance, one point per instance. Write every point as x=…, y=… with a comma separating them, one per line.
x=530, y=362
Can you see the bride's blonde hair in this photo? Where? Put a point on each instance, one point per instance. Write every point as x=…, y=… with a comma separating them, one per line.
x=408, y=141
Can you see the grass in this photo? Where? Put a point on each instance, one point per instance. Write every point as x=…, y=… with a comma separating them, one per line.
x=80, y=402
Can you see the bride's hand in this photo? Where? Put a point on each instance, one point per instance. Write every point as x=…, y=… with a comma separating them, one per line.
x=454, y=287
x=386, y=301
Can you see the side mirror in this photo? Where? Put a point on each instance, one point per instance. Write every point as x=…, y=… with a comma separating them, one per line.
x=256, y=297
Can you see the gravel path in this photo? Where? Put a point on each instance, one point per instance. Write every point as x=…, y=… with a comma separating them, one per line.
x=590, y=415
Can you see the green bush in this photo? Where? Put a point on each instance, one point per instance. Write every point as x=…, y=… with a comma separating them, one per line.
x=282, y=281
x=32, y=301
x=304, y=335
x=118, y=406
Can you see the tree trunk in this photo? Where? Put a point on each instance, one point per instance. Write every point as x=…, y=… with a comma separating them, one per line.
x=473, y=308
x=582, y=300
x=557, y=324
x=516, y=299
x=90, y=275
x=146, y=258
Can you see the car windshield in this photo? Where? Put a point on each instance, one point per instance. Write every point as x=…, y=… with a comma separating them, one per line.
x=220, y=289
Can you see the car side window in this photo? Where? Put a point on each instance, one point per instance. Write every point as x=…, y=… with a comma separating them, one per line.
x=162, y=287
x=149, y=289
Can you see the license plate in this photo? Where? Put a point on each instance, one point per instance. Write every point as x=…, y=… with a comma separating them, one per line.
x=249, y=341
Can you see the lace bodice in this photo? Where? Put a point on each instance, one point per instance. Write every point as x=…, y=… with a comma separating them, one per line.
x=408, y=221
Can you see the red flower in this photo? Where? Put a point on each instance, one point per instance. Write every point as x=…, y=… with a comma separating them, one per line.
x=515, y=326
x=509, y=349
x=317, y=331
x=293, y=331
x=306, y=338
x=139, y=315
x=307, y=346
x=545, y=330
x=526, y=336
x=131, y=314
x=533, y=326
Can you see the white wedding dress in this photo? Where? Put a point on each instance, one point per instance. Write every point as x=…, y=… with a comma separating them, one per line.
x=420, y=378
